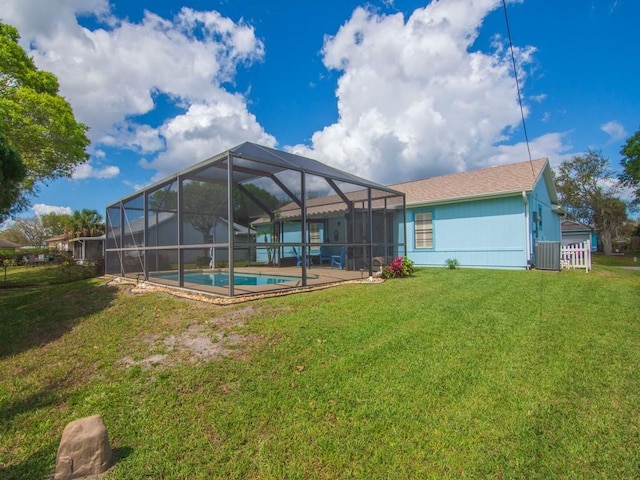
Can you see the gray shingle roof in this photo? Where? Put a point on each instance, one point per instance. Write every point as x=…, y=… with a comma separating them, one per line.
x=493, y=181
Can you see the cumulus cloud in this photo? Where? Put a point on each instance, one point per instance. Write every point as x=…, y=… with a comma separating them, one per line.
x=87, y=170
x=204, y=129
x=42, y=209
x=540, y=148
x=614, y=129
x=112, y=75
x=414, y=97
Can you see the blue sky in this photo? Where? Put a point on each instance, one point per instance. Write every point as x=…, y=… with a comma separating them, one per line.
x=392, y=90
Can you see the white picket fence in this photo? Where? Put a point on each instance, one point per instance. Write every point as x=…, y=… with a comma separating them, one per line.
x=576, y=255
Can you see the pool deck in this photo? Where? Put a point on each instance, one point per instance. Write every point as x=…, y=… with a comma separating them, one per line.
x=316, y=276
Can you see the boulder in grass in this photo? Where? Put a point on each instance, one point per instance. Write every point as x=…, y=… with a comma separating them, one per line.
x=84, y=449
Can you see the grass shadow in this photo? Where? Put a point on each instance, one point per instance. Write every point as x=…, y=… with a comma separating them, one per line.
x=41, y=464
x=43, y=398
x=38, y=315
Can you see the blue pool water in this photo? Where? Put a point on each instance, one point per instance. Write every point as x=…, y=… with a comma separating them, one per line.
x=221, y=279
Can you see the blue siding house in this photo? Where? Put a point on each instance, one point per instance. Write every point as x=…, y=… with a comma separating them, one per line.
x=490, y=218
x=575, y=232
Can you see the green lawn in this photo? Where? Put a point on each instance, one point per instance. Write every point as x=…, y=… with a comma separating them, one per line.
x=448, y=374
x=624, y=259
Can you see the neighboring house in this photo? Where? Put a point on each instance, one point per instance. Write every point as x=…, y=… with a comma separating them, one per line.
x=82, y=249
x=87, y=249
x=576, y=232
x=162, y=229
x=7, y=245
x=59, y=243
x=488, y=218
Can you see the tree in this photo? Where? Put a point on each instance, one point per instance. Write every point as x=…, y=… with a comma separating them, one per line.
x=12, y=173
x=85, y=223
x=630, y=176
x=203, y=204
x=26, y=231
x=588, y=192
x=37, y=121
x=55, y=223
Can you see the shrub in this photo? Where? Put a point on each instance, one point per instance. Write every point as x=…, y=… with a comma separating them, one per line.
x=400, y=267
x=202, y=262
x=452, y=263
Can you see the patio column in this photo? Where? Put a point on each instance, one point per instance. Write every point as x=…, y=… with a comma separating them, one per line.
x=230, y=235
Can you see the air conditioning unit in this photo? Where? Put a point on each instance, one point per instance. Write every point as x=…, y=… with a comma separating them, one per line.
x=547, y=255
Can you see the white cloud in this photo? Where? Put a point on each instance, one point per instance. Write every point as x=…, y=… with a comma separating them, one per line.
x=87, y=170
x=112, y=75
x=42, y=209
x=552, y=145
x=614, y=129
x=414, y=97
x=206, y=128
x=416, y=100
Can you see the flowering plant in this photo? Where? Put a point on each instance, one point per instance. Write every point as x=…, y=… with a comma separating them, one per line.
x=400, y=267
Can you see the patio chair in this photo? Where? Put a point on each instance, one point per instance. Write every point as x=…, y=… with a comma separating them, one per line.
x=339, y=260
x=299, y=257
x=325, y=255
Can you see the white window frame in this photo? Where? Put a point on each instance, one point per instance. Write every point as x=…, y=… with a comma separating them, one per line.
x=423, y=230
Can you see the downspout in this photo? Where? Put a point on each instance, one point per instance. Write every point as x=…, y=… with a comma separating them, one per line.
x=528, y=226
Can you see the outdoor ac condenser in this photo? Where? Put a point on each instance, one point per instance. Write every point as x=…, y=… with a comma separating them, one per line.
x=547, y=255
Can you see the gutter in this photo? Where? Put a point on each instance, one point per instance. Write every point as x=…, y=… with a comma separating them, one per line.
x=527, y=223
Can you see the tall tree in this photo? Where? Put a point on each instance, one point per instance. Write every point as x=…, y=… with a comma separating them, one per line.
x=85, y=223
x=631, y=164
x=204, y=204
x=26, y=231
x=38, y=122
x=12, y=173
x=588, y=191
x=55, y=223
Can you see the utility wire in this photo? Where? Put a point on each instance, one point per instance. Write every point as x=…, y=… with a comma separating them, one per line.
x=515, y=73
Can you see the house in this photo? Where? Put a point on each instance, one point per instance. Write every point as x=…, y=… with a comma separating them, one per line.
x=575, y=232
x=59, y=243
x=87, y=249
x=489, y=218
x=7, y=245
x=82, y=249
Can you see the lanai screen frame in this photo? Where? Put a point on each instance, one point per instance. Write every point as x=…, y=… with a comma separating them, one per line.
x=132, y=221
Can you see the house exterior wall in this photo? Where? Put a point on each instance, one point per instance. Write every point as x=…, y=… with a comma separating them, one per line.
x=498, y=232
x=488, y=233
x=572, y=237
x=291, y=233
x=549, y=222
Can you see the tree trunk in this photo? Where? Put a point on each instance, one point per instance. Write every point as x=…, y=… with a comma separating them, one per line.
x=607, y=241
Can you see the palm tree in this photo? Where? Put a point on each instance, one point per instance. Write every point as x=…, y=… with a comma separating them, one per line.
x=85, y=223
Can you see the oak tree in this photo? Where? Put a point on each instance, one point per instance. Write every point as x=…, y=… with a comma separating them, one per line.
x=588, y=191
x=631, y=164
x=38, y=122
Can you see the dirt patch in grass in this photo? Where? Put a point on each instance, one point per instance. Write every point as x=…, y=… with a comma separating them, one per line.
x=201, y=342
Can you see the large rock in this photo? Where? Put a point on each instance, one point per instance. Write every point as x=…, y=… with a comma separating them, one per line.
x=84, y=449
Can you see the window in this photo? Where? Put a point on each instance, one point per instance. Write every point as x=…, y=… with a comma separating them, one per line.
x=423, y=223
x=315, y=232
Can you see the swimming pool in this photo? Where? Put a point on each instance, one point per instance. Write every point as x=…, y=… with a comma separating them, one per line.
x=221, y=279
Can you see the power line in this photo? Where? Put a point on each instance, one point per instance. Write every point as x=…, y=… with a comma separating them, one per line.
x=515, y=73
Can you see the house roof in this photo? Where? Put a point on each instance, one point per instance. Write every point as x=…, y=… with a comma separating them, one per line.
x=573, y=226
x=57, y=238
x=7, y=244
x=499, y=180
x=90, y=239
